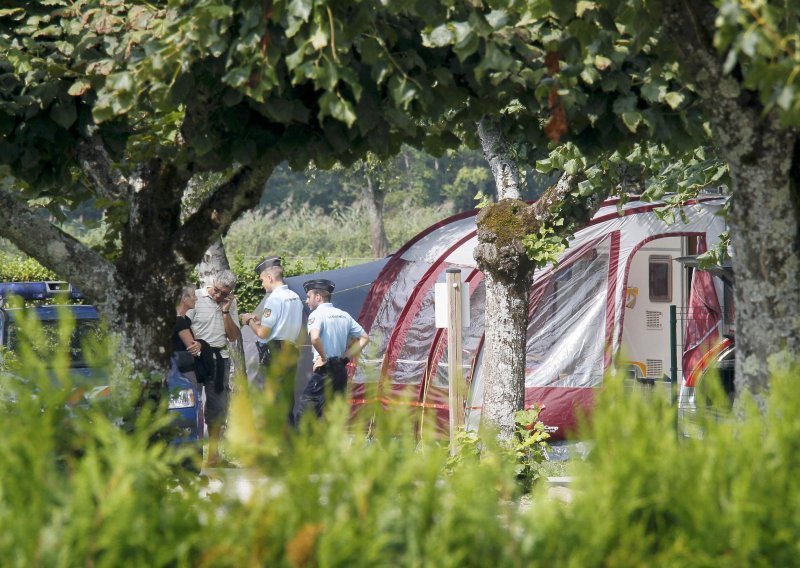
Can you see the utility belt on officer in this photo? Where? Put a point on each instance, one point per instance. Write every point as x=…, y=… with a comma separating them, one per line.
x=268, y=349
x=332, y=364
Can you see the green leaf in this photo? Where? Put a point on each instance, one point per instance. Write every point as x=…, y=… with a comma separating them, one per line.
x=585, y=188
x=319, y=39
x=583, y=7
x=602, y=62
x=79, y=87
x=632, y=120
x=402, y=90
x=439, y=36
x=653, y=91
x=337, y=107
x=572, y=167
x=674, y=99
x=64, y=113
x=497, y=18
x=466, y=40
x=16, y=13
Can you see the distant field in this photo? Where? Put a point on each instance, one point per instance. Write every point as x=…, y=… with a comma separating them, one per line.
x=304, y=232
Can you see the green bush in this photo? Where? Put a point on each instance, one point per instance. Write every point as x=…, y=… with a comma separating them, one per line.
x=249, y=290
x=75, y=490
x=15, y=268
x=646, y=497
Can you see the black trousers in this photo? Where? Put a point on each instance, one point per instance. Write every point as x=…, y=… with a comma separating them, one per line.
x=333, y=372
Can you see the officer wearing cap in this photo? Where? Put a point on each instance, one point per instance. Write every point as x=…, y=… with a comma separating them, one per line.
x=280, y=322
x=336, y=339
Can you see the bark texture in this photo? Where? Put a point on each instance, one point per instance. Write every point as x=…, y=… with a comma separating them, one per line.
x=765, y=231
x=498, y=153
x=213, y=261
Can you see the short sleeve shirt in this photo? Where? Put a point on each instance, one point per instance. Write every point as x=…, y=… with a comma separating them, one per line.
x=283, y=314
x=181, y=323
x=335, y=327
x=208, y=321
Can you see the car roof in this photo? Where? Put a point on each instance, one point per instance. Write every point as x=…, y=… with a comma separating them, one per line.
x=51, y=312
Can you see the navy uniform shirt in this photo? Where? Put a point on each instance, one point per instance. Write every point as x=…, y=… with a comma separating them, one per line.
x=335, y=327
x=283, y=314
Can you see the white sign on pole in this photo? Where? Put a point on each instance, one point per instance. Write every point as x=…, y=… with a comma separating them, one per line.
x=441, y=307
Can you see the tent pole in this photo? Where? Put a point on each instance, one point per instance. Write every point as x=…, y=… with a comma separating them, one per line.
x=455, y=368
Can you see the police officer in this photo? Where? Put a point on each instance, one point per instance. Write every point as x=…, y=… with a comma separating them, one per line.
x=336, y=339
x=282, y=319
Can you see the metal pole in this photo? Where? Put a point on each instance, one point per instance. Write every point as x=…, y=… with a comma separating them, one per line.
x=673, y=361
x=455, y=369
x=673, y=351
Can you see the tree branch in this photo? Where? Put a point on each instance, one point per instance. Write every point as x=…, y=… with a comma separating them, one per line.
x=216, y=214
x=100, y=169
x=498, y=154
x=55, y=249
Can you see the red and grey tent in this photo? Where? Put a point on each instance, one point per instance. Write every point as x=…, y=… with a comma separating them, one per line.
x=577, y=311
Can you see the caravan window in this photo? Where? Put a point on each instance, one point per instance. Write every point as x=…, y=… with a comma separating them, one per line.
x=660, y=277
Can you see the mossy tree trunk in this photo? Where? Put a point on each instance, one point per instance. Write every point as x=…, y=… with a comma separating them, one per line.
x=502, y=257
x=764, y=166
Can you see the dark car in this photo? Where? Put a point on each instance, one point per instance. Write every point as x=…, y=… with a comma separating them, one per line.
x=90, y=381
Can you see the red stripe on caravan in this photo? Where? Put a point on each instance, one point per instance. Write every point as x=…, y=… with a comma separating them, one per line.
x=411, y=308
x=386, y=276
x=637, y=210
x=613, y=260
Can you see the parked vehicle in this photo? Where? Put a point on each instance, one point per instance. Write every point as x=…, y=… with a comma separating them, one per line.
x=717, y=364
x=90, y=382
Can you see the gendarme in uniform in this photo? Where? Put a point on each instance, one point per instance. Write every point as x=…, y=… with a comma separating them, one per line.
x=335, y=337
x=283, y=314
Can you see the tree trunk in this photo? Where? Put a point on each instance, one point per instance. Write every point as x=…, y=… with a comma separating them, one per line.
x=766, y=261
x=213, y=261
x=764, y=218
x=504, y=351
x=507, y=291
x=374, y=196
x=135, y=293
x=497, y=153
x=509, y=274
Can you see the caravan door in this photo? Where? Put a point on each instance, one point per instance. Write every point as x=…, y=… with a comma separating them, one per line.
x=654, y=282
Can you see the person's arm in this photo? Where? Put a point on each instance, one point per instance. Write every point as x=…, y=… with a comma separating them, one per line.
x=262, y=331
x=262, y=326
x=192, y=346
x=316, y=343
x=356, y=347
x=232, y=330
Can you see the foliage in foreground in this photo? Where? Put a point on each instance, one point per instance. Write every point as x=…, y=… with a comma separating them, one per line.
x=76, y=490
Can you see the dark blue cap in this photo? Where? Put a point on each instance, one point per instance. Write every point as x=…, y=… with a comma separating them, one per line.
x=266, y=263
x=319, y=284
